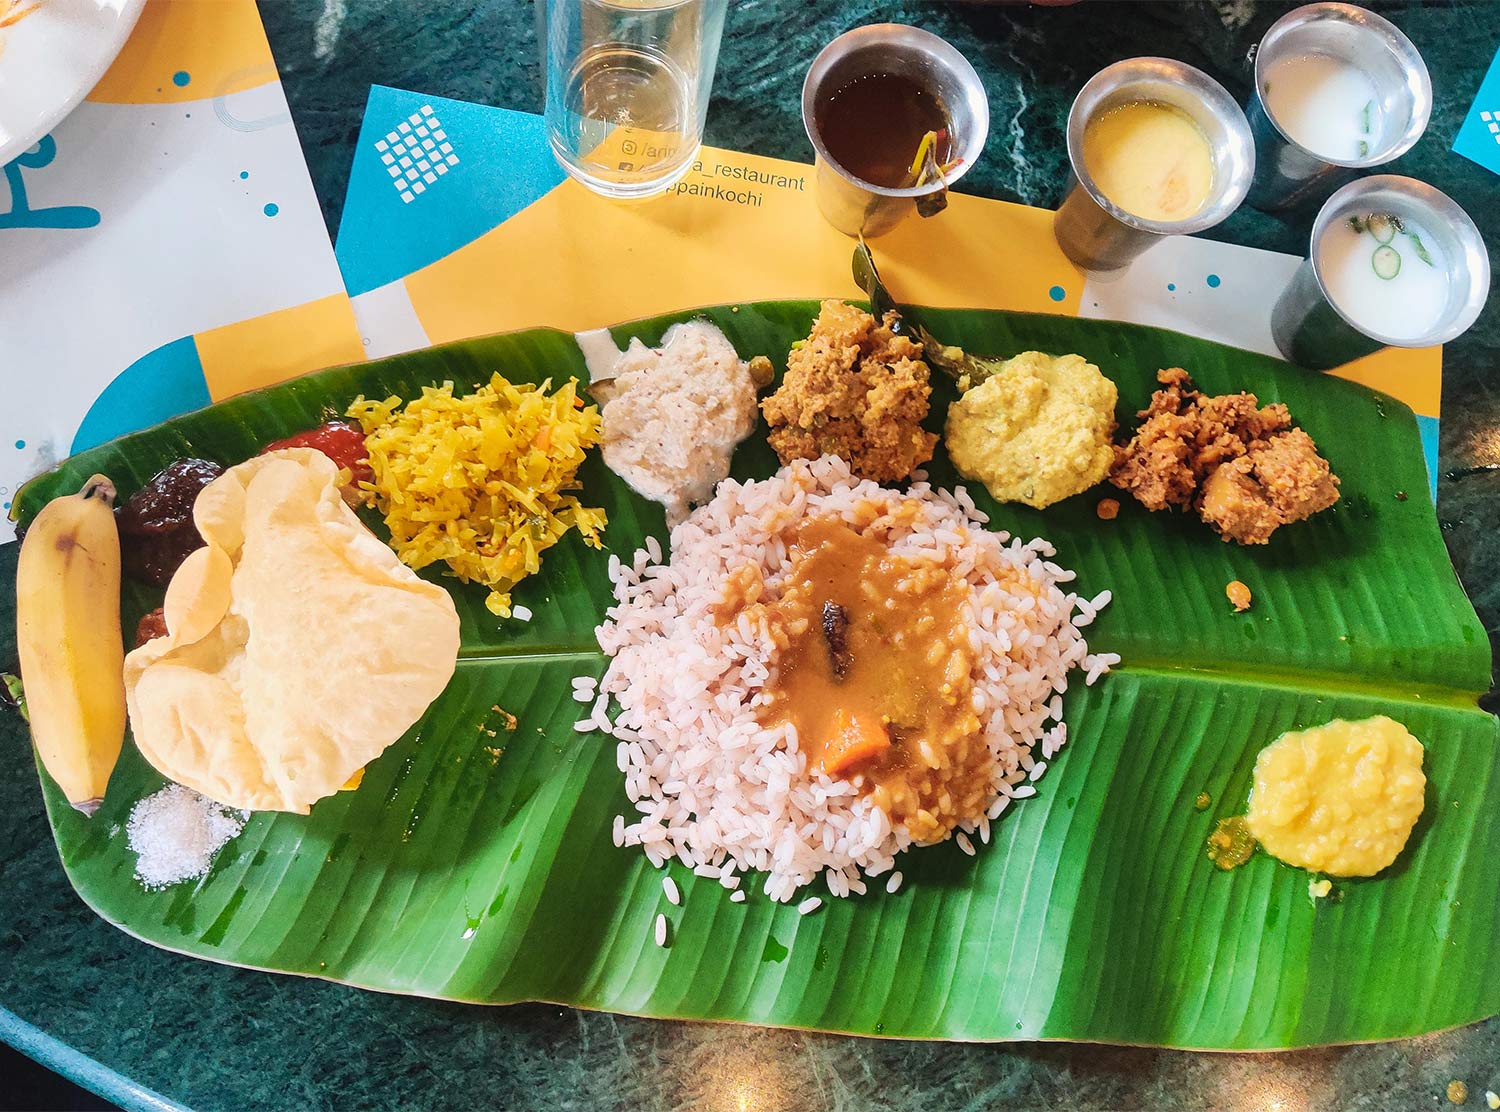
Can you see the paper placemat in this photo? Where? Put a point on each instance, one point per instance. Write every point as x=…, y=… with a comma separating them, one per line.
x=458, y=222
x=163, y=247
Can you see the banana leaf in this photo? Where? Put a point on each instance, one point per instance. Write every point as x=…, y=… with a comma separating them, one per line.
x=475, y=863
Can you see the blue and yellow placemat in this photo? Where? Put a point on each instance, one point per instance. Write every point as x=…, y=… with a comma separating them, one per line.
x=1478, y=138
x=163, y=247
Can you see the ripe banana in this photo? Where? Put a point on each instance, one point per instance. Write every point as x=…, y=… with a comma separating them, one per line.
x=68, y=632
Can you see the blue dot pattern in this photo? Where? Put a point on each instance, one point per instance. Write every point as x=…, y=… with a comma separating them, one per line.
x=181, y=78
x=271, y=209
x=1213, y=281
x=20, y=444
x=1057, y=293
x=244, y=174
x=1171, y=287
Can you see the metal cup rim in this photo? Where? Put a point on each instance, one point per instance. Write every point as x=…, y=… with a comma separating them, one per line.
x=1421, y=116
x=877, y=32
x=1225, y=105
x=1455, y=213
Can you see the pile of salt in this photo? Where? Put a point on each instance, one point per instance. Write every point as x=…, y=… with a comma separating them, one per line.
x=175, y=834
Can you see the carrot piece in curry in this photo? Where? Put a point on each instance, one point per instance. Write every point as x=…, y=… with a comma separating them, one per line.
x=855, y=739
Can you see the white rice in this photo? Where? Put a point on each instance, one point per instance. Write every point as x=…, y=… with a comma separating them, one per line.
x=717, y=791
x=669, y=887
x=599, y=717
x=895, y=881
x=661, y=930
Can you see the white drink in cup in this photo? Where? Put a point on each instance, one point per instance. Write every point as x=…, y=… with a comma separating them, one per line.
x=1338, y=89
x=1326, y=104
x=1392, y=262
x=1389, y=275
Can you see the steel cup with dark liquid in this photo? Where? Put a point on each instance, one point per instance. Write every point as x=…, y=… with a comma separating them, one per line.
x=851, y=204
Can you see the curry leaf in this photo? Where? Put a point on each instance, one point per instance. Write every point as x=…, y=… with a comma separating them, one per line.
x=11, y=692
x=867, y=278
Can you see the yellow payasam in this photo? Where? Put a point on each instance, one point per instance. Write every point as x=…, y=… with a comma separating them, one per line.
x=1339, y=799
x=298, y=647
x=478, y=481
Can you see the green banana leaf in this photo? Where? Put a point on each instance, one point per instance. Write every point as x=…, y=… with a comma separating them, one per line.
x=476, y=863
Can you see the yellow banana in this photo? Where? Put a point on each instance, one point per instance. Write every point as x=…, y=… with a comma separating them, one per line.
x=68, y=632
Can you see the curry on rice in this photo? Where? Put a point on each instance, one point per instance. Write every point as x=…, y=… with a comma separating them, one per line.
x=826, y=672
x=874, y=674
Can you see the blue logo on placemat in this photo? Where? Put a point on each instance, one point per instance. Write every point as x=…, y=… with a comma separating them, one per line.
x=431, y=175
x=1479, y=138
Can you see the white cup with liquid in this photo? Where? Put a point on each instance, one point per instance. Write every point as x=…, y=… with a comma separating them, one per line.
x=1338, y=89
x=627, y=88
x=1392, y=262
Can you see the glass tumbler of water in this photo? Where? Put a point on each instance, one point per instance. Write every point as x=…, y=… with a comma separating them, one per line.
x=627, y=88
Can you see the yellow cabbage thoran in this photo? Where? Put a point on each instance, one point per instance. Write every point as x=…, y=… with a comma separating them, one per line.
x=480, y=481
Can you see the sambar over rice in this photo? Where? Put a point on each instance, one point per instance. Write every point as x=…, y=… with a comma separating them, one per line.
x=703, y=645
x=874, y=670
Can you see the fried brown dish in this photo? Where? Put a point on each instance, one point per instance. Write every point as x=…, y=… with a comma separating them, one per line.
x=857, y=390
x=1241, y=466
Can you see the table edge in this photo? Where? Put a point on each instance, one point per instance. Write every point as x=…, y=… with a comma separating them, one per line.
x=79, y=1068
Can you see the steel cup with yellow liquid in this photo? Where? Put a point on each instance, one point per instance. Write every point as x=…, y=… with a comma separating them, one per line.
x=1158, y=148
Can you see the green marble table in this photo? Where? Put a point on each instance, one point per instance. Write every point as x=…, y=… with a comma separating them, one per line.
x=146, y=1028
